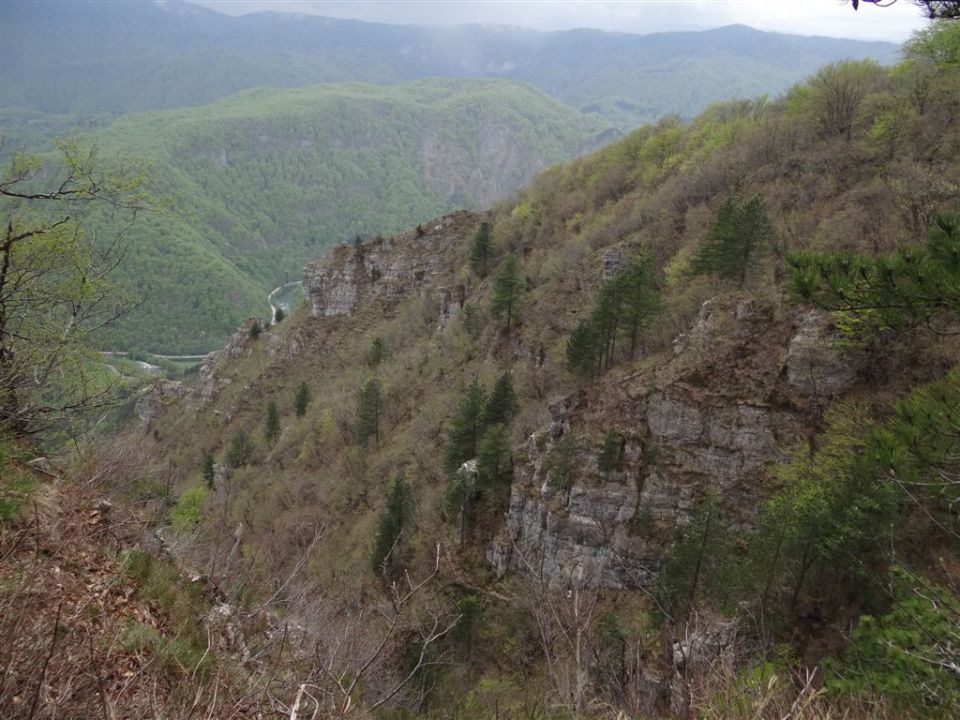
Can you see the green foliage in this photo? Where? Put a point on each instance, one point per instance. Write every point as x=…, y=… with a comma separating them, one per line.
x=469, y=611
x=909, y=655
x=378, y=351
x=188, y=511
x=481, y=251
x=507, y=288
x=494, y=466
x=240, y=451
x=206, y=469
x=16, y=486
x=302, y=400
x=937, y=44
x=581, y=350
x=561, y=462
x=909, y=286
x=740, y=234
x=626, y=303
x=470, y=319
x=837, y=94
x=501, y=406
x=700, y=565
x=368, y=412
x=464, y=438
x=610, y=452
x=255, y=330
x=459, y=500
x=278, y=316
x=396, y=518
x=271, y=424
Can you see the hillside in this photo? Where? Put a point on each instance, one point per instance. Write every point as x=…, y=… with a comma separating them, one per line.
x=123, y=57
x=258, y=183
x=743, y=509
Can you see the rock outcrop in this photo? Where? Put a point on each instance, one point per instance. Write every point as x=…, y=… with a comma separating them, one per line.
x=386, y=269
x=150, y=405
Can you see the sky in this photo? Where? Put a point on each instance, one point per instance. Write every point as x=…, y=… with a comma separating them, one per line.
x=806, y=17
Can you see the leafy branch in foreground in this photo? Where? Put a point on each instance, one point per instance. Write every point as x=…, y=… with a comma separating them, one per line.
x=56, y=289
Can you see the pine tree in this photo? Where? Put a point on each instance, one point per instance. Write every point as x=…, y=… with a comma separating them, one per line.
x=255, y=329
x=610, y=453
x=481, y=251
x=640, y=299
x=278, y=316
x=302, y=400
x=460, y=495
x=605, y=321
x=560, y=464
x=735, y=240
x=271, y=426
x=501, y=406
x=368, y=412
x=208, y=471
x=581, y=350
x=471, y=320
x=494, y=469
x=378, y=351
x=395, y=519
x=464, y=437
x=240, y=450
x=507, y=287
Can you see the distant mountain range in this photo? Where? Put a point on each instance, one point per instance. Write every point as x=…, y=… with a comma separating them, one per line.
x=110, y=57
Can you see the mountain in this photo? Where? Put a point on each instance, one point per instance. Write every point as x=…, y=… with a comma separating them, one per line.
x=90, y=58
x=256, y=184
x=758, y=488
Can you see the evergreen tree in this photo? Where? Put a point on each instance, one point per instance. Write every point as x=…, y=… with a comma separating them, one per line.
x=469, y=611
x=507, y=287
x=255, y=329
x=240, y=450
x=494, y=468
x=560, y=464
x=207, y=469
x=581, y=350
x=481, y=252
x=639, y=297
x=605, y=321
x=734, y=242
x=271, y=425
x=460, y=495
x=278, y=316
x=378, y=351
x=501, y=406
x=368, y=412
x=464, y=437
x=610, y=452
x=471, y=320
x=302, y=400
x=394, y=520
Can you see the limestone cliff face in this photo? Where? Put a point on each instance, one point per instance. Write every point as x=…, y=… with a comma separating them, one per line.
x=387, y=269
x=716, y=417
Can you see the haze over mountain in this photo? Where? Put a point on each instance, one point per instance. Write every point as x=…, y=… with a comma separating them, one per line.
x=118, y=57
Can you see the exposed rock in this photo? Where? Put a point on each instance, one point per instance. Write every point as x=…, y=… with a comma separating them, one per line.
x=452, y=298
x=240, y=341
x=148, y=407
x=612, y=262
x=384, y=269
x=815, y=363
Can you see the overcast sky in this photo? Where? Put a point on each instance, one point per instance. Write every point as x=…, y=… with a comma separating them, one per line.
x=807, y=17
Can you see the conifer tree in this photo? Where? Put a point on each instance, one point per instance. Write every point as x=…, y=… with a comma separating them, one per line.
x=493, y=461
x=240, y=450
x=271, y=426
x=302, y=400
x=394, y=520
x=467, y=427
x=461, y=492
x=481, y=252
x=378, y=351
x=610, y=453
x=507, y=287
x=734, y=242
x=640, y=299
x=471, y=320
x=208, y=471
x=255, y=329
x=581, y=350
x=278, y=316
x=368, y=412
x=605, y=321
x=501, y=406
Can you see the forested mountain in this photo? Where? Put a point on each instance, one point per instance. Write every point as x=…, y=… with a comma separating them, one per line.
x=671, y=433
x=120, y=57
x=255, y=185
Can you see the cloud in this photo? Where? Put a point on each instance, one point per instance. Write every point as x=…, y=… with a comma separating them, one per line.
x=811, y=17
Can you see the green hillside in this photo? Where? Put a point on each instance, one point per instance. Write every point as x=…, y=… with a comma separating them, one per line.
x=260, y=182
